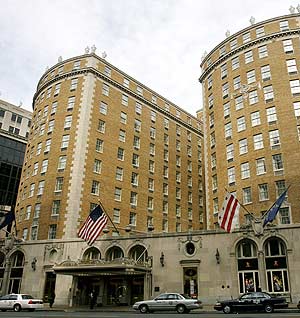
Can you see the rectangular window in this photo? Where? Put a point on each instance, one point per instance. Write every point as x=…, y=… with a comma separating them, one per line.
x=225, y=90
x=71, y=103
x=152, y=149
x=268, y=93
x=235, y=63
x=231, y=175
x=99, y=145
x=51, y=126
x=101, y=126
x=263, y=192
x=97, y=166
x=265, y=72
x=223, y=71
x=37, y=211
x=165, y=172
x=138, y=108
x=150, y=203
x=132, y=219
x=296, y=106
x=260, y=32
x=255, y=119
x=74, y=83
x=284, y=25
x=31, y=190
x=241, y=124
x=248, y=57
x=236, y=82
x=120, y=154
x=134, y=179
x=135, y=160
x=124, y=100
x=118, y=194
x=165, y=189
x=53, y=108
x=52, y=232
x=222, y=50
x=119, y=174
x=277, y=163
x=123, y=118
x=107, y=71
x=122, y=135
x=253, y=97
x=247, y=197
x=28, y=212
x=291, y=66
x=116, y=216
x=280, y=187
x=76, y=65
x=243, y=146
x=68, y=122
x=154, y=99
x=133, y=198
x=152, y=132
x=103, y=108
x=258, y=141
x=105, y=89
x=41, y=187
x=139, y=90
x=226, y=108
x=260, y=166
x=55, y=207
x=274, y=138
x=271, y=115
x=214, y=182
x=262, y=51
x=65, y=142
x=228, y=130
x=57, y=89
x=126, y=82
x=213, y=160
x=136, y=142
x=288, y=46
x=229, y=152
x=137, y=125
x=62, y=162
x=233, y=44
x=210, y=101
x=38, y=148
x=295, y=87
x=44, y=166
x=251, y=77
x=239, y=102
x=59, y=184
x=95, y=187
x=34, y=233
x=150, y=184
x=245, y=170
x=246, y=37
x=284, y=215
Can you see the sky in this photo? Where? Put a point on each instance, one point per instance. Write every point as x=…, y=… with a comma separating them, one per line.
x=158, y=42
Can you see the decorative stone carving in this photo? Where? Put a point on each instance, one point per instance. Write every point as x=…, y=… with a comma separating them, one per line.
x=104, y=55
x=252, y=20
x=292, y=9
x=87, y=50
x=59, y=59
x=93, y=48
x=298, y=8
x=203, y=55
x=227, y=34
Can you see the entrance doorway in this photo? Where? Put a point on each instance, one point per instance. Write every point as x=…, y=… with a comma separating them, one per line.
x=191, y=281
x=49, y=285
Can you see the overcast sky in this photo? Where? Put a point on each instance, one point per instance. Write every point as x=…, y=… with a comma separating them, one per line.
x=158, y=42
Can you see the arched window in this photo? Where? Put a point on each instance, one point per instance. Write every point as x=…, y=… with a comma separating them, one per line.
x=247, y=266
x=276, y=266
x=16, y=272
x=114, y=253
x=138, y=253
x=92, y=254
x=2, y=267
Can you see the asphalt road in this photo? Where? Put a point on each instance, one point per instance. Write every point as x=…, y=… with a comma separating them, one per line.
x=94, y=314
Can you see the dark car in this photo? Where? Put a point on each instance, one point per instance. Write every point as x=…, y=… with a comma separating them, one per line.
x=255, y=301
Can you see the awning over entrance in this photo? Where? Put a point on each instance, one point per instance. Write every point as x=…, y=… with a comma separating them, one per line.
x=119, y=266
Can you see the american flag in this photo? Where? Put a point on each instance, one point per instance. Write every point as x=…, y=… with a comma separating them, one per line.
x=93, y=225
x=229, y=215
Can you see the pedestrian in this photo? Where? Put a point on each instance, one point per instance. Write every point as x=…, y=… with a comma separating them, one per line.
x=51, y=298
x=93, y=298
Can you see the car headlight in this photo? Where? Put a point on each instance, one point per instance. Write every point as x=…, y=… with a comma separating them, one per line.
x=218, y=303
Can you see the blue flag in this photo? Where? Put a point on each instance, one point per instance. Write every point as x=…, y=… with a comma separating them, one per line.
x=6, y=219
x=271, y=214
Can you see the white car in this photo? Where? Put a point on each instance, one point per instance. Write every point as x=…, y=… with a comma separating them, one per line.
x=17, y=302
x=168, y=301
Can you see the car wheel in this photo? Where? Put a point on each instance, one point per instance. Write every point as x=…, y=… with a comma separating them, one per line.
x=268, y=308
x=17, y=307
x=143, y=309
x=181, y=309
x=227, y=309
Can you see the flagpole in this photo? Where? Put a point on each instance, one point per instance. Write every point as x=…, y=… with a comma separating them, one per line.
x=99, y=202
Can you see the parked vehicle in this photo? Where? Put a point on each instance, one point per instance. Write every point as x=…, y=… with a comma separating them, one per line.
x=298, y=305
x=168, y=302
x=254, y=301
x=17, y=302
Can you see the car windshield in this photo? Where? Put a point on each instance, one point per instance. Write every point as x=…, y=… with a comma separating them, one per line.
x=27, y=297
x=185, y=296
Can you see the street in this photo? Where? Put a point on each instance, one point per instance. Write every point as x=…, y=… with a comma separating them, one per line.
x=99, y=314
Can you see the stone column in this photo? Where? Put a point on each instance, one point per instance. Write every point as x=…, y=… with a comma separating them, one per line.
x=261, y=268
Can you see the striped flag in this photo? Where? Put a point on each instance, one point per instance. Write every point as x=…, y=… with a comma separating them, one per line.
x=93, y=225
x=229, y=216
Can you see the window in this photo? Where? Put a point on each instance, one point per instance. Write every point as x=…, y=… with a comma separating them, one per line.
x=48, y=94
x=153, y=116
x=165, y=189
x=55, y=207
x=123, y=118
x=222, y=50
x=45, y=113
x=152, y=132
x=134, y=179
x=25, y=234
x=71, y=103
x=235, y=63
x=152, y=149
x=268, y=93
x=99, y=145
x=214, y=182
x=136, y=142
x=138, y=108
x=166, y=139
x=137, y=125
x=116, y=216
x=28, y=212
x=68, y=122
x=47, y=146
x=166, y=155
x=231, y=175
x=248, y=57
x=288, y=46
x=291, y=66
x=236, y=82
x=178, y=145
x=126, y=82
x=51, y=126
x=251, y=77
x=101, y=126
x=62, y=162
x=105, y=89
x=265, y=72
x=65, y=141
x=262, y=51
x=119, y=174
x=76, y=65
x=284, y=215
x=246, y=37
x=296, y=106
x=107, y=71
x=34, y=233
x=154, y=99
x=41, y=187
x=167, y=107
x=284, y=25
x=139, y=90
x=178, y=161
x=255, y=119
x=165, y=172
x=132, y=219
x=57, y=89
x=53, y=108
x=223, y=71
x=120, y=154
x=118, y=194
x=38, y=148
x=228, y=130
x=271, y=115
x=37, y=211
x=97, y=166
x=209, y=82
x=103, y=108
x=150, y=184
x=280, y=187
x=52, y=231
x=178, y=210
x=95, y=187
x=189, y=150
x=241, y=124
x=31, y=190
x=152, y=166
x=59, y=184
x=263, y=192
x=226, y=109
x=253, y=97
x=260, y=32
x=258, y=141
x=210, y=101
x=42, y=129
x=213, y=160
x=124, y=100
x=122, y=135
x=295, y=87
x=274, y=138
x=44, y=166
x=277, y=163
x=229, y=152
x=239, y=102
x=260, y=166
x=135, y=160
x=245, y=170
x=133, y=198
x=215, y=206
x=35, y=168
x=247, y=198
x=178, y=193
x=178, y=176
x=74, y=83
x=150, y=203
x=225, y=90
